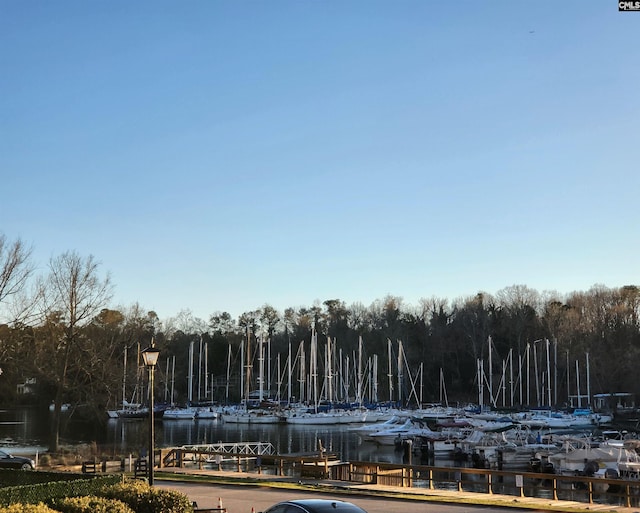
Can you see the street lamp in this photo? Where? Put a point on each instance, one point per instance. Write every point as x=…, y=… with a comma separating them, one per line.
x=150, y=357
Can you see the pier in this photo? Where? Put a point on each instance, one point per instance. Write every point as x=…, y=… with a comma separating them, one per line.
x=247, y=459
x=242, y=448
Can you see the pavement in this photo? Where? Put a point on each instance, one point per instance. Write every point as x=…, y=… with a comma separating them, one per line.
x=200, y=476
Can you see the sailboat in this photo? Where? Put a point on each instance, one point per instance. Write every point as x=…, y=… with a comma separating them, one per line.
x=242, y=414
x=134, y=409
x=128, y=409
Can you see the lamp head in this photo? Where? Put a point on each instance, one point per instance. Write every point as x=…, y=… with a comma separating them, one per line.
x=150, y=356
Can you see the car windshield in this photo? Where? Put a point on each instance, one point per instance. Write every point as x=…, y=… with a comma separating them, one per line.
x=326, y=506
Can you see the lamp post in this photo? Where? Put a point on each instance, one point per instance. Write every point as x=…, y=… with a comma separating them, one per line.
x=150, y=357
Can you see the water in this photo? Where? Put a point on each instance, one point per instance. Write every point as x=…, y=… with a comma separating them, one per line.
x=25, y=431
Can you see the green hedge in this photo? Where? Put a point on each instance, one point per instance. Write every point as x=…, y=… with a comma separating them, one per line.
x=39, y=492
x=27, y=477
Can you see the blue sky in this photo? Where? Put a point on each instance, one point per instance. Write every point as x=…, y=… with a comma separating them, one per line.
x=221, y=155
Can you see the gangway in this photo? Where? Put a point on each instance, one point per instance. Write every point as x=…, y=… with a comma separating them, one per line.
x=244, y=448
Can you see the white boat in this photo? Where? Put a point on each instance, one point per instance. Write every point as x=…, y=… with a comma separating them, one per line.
x=548, y=419
x=437, y=412
x=208, y=413
x=405, y=425
x=132, y=411
x=330, y=417
x=396, y=420
x=491, y=425
x=250, y=417
x=179, y=414
x=629, y=465
x=578, y=455
x=64, y=407
x=411, y=429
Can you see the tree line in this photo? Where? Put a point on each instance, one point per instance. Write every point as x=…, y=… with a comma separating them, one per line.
x=62, y=332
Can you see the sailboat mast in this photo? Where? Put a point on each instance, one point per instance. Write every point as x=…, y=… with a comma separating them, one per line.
x=314, y=368
x=329, y=371
x=260, y=342
x=374, y=392
x=247, y=376
x=389, y=373
x=303, y=372
x=242, y=370
x=278, y=379
x=511, y=390
x=578, y=384
x=535, y=369
x=528, y=374
x=359, y=398
x=340, y=385
x=568, y=379
x=199, y=369
x=421, y=384
x=555, y=370
x=588, y=382
x=520, y=376
x=190, y=393
x=400, y=371
x=124, y=379
x=206, y=372
x=226, y=392
x=548, y=373
x=269, y=367
x=490, y=373
x=289, y=378
x=166, y=383
x=173, y=377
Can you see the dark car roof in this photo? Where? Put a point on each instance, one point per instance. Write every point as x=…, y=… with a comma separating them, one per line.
x=326, y=505
x=5, y=454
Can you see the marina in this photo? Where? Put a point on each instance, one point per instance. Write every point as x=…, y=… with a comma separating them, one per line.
x=458, y=441
x=407, y=462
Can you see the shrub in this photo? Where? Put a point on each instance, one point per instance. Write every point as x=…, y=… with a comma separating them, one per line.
x=90, y=504
x=9, y=477
x=27, y=508
x=142, y=498
x=45, y=460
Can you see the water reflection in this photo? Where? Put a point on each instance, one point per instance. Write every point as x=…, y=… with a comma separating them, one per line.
x=28, y=428
x=22, y=430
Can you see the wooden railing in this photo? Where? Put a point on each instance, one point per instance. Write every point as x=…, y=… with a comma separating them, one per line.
x=309, y=465
x=324, y=466
x=519, y=484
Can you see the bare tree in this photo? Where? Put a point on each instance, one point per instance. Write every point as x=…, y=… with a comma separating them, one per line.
x=523, y=305
x=186, y=322
x=73, y=293
x=15, y=269
x=357, y=317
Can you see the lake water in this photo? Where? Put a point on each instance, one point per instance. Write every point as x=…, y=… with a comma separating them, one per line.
x=25, y=431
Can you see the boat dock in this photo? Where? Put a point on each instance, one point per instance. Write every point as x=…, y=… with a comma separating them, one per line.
x=253, y=464
x=199, y=477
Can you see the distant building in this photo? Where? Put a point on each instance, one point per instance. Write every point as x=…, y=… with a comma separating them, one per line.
x=619, y=402
x=28, y=387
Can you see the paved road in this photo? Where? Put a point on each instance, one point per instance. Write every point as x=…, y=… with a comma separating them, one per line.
x=245, y=499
